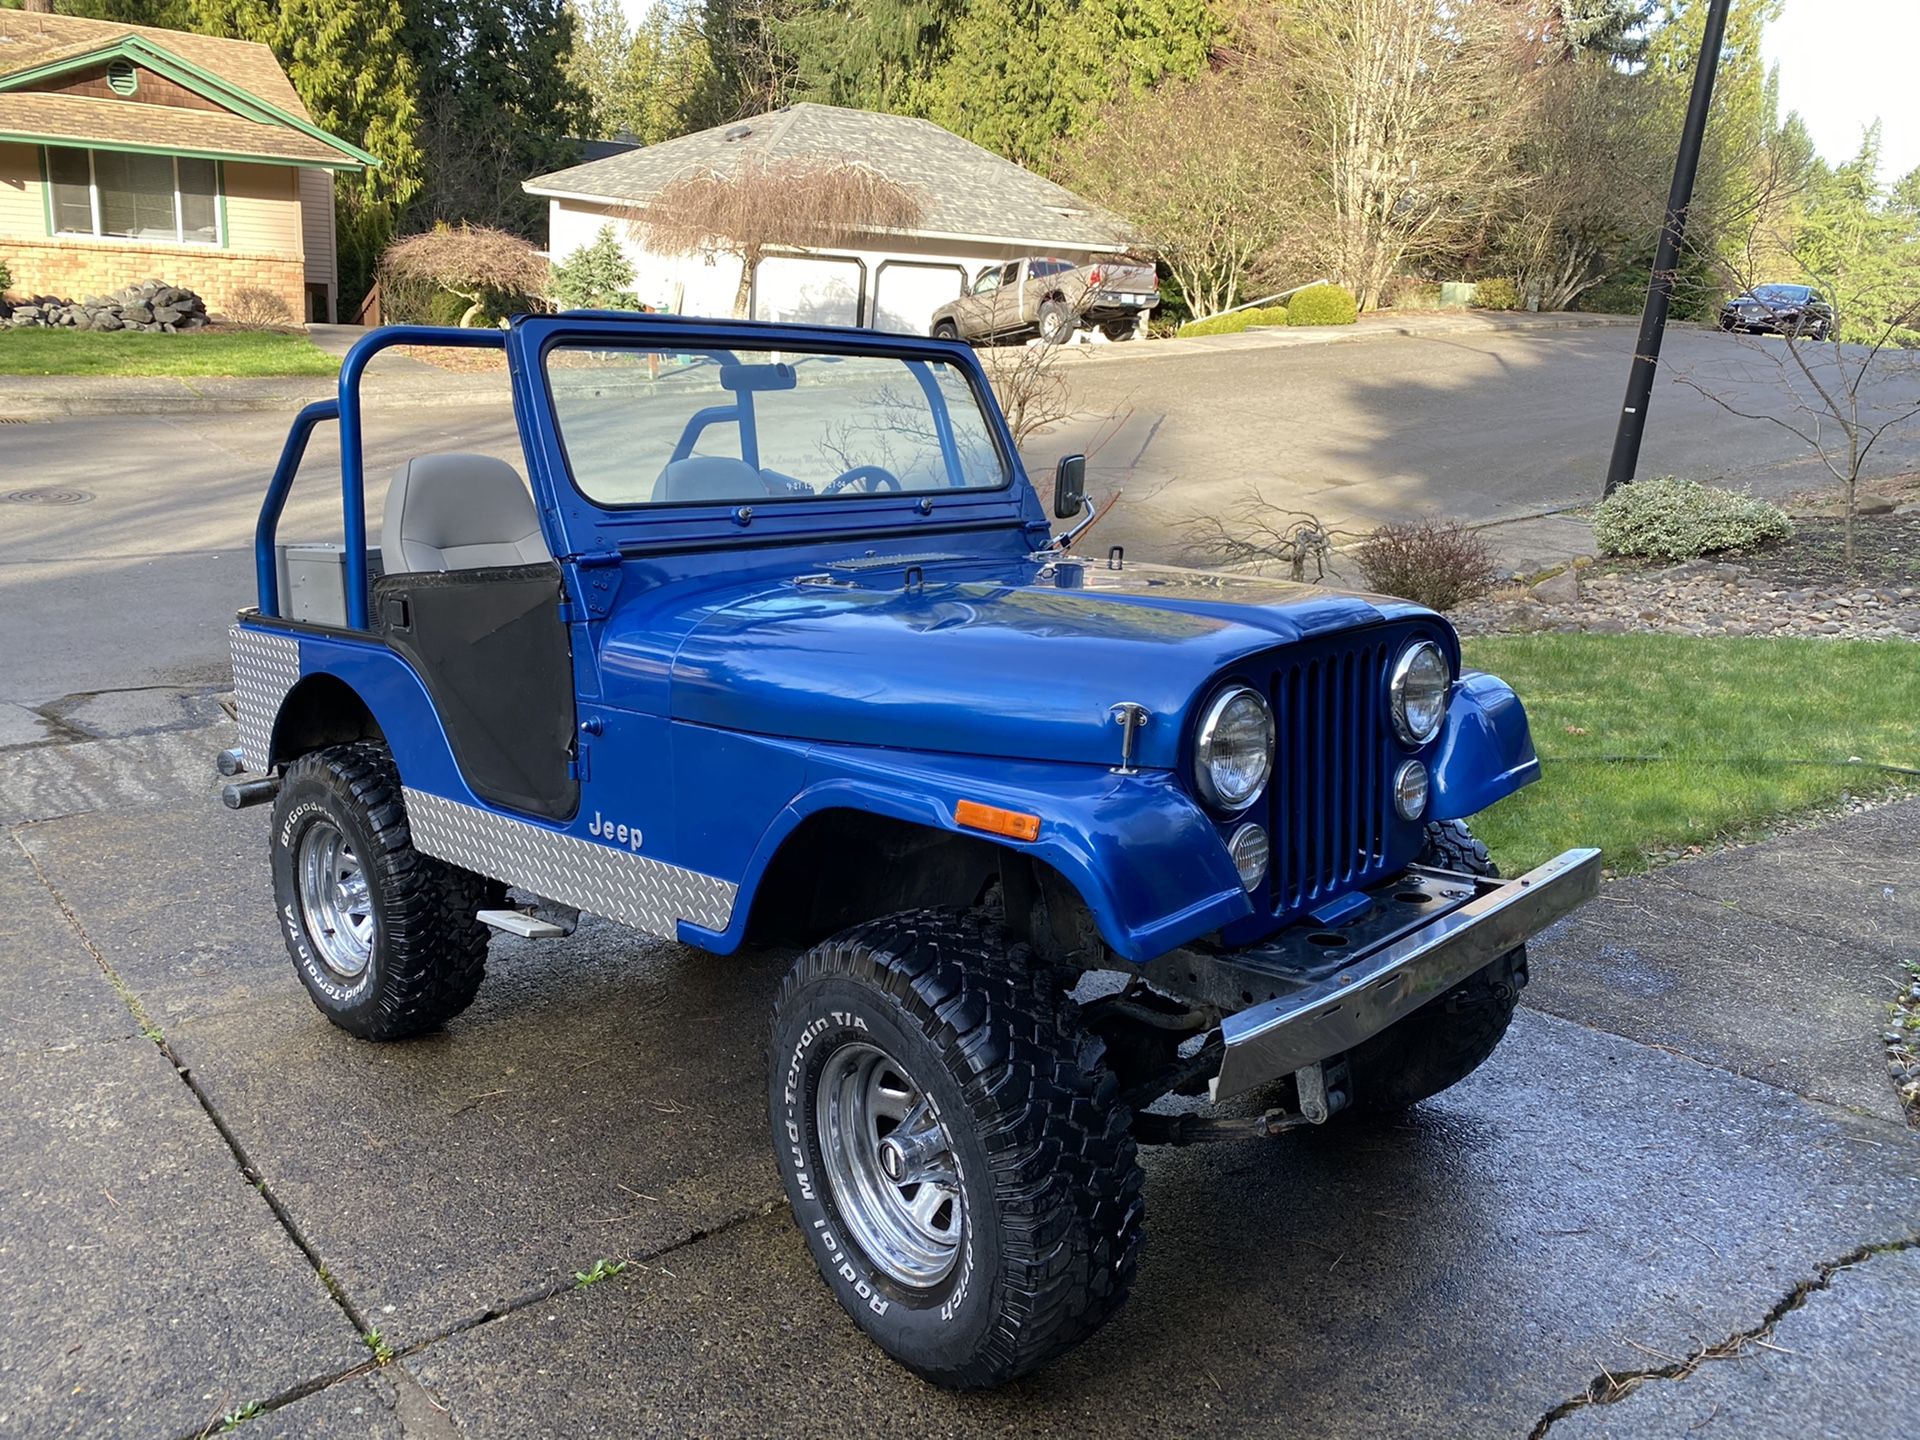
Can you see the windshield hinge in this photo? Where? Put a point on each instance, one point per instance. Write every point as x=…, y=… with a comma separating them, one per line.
x=596, y=578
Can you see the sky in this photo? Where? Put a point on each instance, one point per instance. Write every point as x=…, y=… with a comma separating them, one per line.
x=1844, y=62
x=1841, y=62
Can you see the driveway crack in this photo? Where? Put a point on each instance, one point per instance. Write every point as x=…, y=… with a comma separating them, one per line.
x=1610, y=1387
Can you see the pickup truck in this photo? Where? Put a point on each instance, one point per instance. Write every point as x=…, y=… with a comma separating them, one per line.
x=769, y=639
x=1051, y=298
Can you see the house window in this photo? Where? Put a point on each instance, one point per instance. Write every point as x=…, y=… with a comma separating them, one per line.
x=111, y=195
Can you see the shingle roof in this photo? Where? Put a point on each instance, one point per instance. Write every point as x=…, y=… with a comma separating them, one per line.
x=29, y=41
x=162, y=127
x=970, y=192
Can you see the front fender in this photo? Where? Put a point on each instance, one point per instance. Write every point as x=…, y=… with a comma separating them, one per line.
x=1147, y=861
x=1486, y=749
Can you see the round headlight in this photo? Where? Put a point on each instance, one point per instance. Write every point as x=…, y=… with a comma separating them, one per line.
x=1234, y=753
x=1248, y=847
x=1418, y=694
x=1410, y=790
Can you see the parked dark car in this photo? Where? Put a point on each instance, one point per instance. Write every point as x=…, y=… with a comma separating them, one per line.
x=1780, y=310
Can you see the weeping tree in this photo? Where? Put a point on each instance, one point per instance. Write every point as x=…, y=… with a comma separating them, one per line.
x=471, y=261
x=759, y=204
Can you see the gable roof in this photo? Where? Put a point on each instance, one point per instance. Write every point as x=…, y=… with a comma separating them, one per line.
x=262, y=117
x=971, y=193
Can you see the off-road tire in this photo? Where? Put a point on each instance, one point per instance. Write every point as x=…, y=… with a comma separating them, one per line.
x=1057, y=322
x=946, y=330
x=429, y=952
x=1119, y=331
x=1046, y=1160
x=1451, y=1036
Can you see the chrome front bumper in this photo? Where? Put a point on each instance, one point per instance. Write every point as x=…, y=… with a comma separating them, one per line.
x=1380, y=981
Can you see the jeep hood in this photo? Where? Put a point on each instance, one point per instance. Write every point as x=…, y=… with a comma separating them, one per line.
x=1023, y=661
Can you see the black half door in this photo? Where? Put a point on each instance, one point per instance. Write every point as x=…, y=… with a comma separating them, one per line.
x=491, y=649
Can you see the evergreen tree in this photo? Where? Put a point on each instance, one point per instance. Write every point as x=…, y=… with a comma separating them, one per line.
x=497, y=106
x=670, y=85
x=597, y=64
x=870, y=54
x=1025, y=74
x=346, y=61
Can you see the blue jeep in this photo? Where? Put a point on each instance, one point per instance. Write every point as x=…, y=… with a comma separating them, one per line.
x=775, y=642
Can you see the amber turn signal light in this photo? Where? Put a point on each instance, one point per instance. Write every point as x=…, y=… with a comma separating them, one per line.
x=995, y=821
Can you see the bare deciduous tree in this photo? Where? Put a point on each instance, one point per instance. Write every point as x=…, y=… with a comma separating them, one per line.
x=468, y=261
x=1197, y=166
x=1861, y=251
x=759, y=203
x=1255, y=532
x=1408, y=110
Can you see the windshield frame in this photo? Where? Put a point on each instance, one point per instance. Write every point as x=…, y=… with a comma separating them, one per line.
x=582, y=525
x=745, y=406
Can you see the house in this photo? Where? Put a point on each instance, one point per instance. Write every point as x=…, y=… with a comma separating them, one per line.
x=128, y=152
x=978, y=209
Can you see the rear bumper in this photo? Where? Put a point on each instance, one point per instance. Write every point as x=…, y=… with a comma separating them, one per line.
x=1389, y=966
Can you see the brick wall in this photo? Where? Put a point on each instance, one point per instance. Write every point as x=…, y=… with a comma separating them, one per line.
x=74, y=269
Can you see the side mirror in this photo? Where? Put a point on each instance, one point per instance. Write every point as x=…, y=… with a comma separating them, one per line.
x=1069, y=486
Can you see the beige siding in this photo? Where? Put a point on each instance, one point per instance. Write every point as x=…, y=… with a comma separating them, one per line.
x=23, y=208
x=263, y=208
x=316, y=225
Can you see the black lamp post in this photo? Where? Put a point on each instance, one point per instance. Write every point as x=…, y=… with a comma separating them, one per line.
x=1666, y=256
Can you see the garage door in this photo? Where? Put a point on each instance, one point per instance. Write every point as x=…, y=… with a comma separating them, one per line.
x=807, y=289
x=906, y=294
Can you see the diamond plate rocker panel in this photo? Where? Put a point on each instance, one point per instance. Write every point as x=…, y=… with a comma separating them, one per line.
x=636, y=890
x=265, y=668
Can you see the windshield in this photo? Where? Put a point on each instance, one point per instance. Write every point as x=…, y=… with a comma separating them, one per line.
x=1776, y=294
x=645, y=427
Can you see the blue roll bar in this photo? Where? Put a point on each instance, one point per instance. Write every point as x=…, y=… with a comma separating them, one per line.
x=353, y=475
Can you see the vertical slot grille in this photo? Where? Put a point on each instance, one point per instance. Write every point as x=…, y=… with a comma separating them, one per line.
x=1327, y=816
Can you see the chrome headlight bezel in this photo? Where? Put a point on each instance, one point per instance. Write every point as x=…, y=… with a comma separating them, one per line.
x=1228, y=799
x=1404, y=720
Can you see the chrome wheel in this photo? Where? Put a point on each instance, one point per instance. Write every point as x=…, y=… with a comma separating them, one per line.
x=334, y=900
x=890, y=1164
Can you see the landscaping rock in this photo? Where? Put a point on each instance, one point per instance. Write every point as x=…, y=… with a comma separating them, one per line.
x=1695, y=599
x=150, y=305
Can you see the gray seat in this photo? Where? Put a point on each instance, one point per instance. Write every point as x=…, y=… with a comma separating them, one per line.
x=455, y=511
x=709, y=477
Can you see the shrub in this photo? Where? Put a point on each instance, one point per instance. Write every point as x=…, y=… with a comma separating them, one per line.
x=1433, y=563
x=1498, y=293
x=1268, y=315
x=256, y=307
x=6, y=278
x=596, y=277
x=1673, y=519
x=1231, y=324
x=1322, y=305
x=1621, y=295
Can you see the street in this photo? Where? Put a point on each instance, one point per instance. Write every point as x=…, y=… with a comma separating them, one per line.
x=136, y=584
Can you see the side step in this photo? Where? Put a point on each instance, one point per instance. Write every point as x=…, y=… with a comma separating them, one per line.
x=524, y=923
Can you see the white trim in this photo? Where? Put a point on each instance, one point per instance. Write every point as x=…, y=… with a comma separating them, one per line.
x=1021, y=242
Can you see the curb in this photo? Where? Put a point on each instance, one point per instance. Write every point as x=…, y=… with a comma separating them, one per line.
x=1282, y=337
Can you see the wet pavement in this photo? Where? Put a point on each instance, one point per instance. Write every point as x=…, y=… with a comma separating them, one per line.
x=1679, y=1199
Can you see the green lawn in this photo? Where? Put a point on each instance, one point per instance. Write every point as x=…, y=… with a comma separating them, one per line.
x=33, y=351
x=1656, y=742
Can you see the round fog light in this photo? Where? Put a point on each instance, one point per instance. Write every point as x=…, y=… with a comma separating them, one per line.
x=1248, y=847
x=1410, y=790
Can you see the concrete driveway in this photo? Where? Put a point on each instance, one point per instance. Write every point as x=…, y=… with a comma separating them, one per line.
x=1687, y=1148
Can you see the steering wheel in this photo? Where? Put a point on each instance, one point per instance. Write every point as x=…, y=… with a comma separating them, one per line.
x=877, y=478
